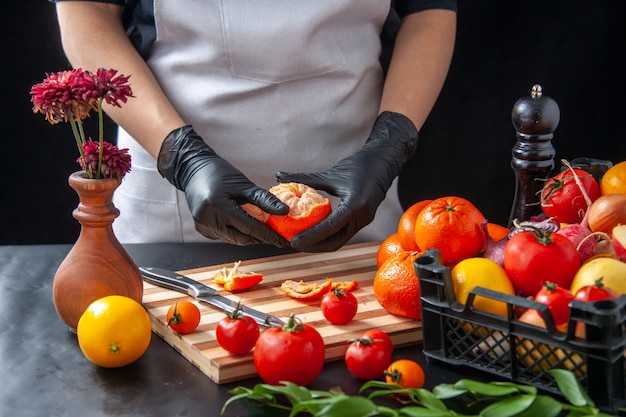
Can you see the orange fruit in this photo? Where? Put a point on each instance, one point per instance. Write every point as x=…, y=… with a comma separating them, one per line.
x=114, y=331
x=406, y=225
x=405, y=373
x=307, y=208
x=453, y=225
x=389, y=247
x=481, y=272
x=497, y=232
x=396, y=286
x=614, y=180
x=306, y=290
x=235, y=280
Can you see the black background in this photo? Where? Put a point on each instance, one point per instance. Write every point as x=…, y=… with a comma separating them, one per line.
x=574, y=49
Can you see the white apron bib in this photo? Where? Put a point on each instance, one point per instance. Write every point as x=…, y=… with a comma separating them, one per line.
x=289, y=85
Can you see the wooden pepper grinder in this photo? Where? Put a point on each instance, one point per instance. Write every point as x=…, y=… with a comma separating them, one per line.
x=535, y=118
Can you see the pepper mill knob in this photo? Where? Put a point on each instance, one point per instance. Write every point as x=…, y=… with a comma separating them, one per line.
x=535, y=118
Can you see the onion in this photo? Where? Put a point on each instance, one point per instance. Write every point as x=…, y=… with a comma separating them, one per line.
x=579, y=235
x=606, y=212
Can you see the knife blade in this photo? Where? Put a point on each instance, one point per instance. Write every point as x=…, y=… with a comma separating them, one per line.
x=181, y=283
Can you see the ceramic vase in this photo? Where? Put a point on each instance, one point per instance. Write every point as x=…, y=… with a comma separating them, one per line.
x=97, y=265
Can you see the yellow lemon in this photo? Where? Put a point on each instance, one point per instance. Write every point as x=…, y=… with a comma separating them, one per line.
x=481, y=272
x=611, y=270
x=114, y=331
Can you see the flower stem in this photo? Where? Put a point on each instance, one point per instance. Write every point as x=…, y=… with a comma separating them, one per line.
x=100, y=136
x=78, y=136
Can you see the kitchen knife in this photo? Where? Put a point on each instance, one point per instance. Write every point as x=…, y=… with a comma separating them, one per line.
x=201, y=292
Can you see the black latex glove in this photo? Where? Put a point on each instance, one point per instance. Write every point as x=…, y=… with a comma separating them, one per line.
x=215, y=189
x=361, y=181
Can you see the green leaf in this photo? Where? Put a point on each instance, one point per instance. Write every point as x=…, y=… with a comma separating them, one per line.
x=488, y=389
x=528, y=389
x=377, y=384
x=412, y=411
x=543, y=406
x=508, y=407
x=570, y=387
x=428, y=400
x=348, y=406
x=445, y=391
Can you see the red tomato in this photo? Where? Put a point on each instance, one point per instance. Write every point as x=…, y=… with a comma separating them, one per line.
x=557, y=299
x=595, y=292
x=294, y=352
x=183, y=317
x=237, y=333
x=338, y=306
x=562, y=198
x=533, y=256
x=376, y=334
x=368, y=357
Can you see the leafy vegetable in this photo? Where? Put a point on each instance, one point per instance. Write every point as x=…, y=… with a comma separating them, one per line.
x=465, y=398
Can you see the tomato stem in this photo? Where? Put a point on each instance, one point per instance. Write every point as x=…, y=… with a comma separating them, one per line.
x=293, y=324
x=114, y=347
x=176, y=318
x=395, y=375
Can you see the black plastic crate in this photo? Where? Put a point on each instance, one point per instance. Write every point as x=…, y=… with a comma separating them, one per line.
x=462, y=335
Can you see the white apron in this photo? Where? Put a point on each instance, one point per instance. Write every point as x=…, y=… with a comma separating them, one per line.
x=289, y=85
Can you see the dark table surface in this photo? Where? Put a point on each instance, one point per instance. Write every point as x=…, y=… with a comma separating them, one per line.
x=44, y=373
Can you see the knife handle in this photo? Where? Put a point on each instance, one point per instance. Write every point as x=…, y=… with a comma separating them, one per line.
x=172, y=280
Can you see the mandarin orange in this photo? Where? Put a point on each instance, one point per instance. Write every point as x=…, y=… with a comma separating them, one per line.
x=396, y=286
x=406, y=225
x=307, y=208
x=497, y=232
x=454, y=226
x=614, y=179
x=389, y=247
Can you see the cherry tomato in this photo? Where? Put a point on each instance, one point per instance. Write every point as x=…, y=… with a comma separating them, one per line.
x=595, y=292
x=376, y=334
x=533, y=256
x=405, y=373
x=367, y=357
x=183, y=317
x=562, y=198
x=237, y=333
x=557, y=299
x=339, y=306
x=294, y=352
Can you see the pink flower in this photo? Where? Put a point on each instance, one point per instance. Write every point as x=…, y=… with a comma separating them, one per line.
x=70, y=96
x=113, y=89
x=115, y=161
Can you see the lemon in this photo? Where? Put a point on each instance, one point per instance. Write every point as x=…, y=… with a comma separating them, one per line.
x=114, y=331
x=611, y=270
x=481, y=272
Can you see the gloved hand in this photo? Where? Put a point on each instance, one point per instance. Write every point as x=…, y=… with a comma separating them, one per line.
x=361, y=181
x=214, y=190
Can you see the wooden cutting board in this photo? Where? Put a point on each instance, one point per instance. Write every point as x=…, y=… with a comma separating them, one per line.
x=353, y=262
